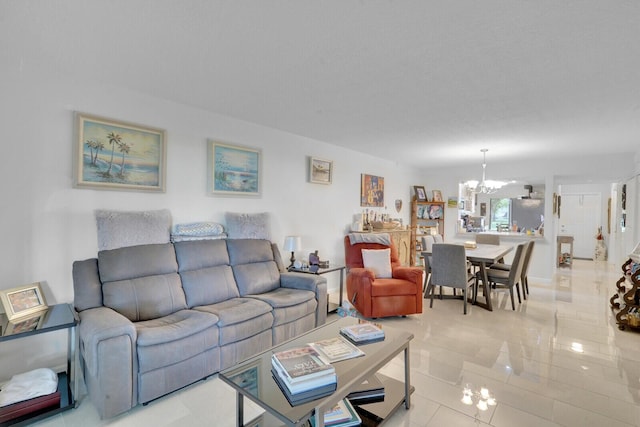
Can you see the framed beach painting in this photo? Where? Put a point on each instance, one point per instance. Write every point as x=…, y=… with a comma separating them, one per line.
x=114, y=155
x=320, y=171
x=234, y=170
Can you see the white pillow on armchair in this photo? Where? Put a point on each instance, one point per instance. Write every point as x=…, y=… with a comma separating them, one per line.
x=378, y=260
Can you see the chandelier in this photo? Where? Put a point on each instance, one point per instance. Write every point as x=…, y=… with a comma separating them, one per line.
x=485, y=186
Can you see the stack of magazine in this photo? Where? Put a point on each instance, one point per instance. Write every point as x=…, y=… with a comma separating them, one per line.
x=302, y=375
x=362, y=333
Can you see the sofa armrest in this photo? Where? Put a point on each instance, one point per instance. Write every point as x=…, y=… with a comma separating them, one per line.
x=97, y=327
x=309, y=282
x=412, y=274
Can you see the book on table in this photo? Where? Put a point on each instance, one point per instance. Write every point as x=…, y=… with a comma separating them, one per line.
x=370, y=390
x=301, y=364
x=305, y=396
x=341, y=415
x=336, y=349
x=363, y=332
x=306, y=385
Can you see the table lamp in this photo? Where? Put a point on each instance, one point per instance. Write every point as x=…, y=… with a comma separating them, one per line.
x=292, y=244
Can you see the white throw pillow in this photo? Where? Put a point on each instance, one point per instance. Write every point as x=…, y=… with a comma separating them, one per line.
x=379, y=260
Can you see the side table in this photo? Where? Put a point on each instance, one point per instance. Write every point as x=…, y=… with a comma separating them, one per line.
x=331, y=306
x=55, y=317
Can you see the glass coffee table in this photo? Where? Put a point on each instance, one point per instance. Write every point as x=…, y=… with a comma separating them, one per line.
x=252, y=378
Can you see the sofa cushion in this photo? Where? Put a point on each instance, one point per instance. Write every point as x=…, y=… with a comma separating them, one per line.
x=240, y=318
x=209, y=285
x=378, y=260
x=206, y=275
x=248, y=225
x=194, y=255
x=254, y=266
x=179, y=336
x=136, y=261
x=145, y=298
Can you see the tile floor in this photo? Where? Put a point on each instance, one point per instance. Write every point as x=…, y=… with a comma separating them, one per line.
x=558, y=360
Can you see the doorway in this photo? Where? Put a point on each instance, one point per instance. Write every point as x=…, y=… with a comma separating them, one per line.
x=580, y=217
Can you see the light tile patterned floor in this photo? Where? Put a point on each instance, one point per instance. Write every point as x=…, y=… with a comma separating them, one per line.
x=525, y=358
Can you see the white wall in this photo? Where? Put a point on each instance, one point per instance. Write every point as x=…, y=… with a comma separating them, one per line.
x=47, y=224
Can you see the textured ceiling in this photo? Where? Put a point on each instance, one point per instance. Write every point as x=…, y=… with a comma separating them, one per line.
x=421, y=82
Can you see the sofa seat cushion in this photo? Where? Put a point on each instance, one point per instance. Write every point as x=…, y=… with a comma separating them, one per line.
x=174, y=338
x=392, y=287
x=240, y=318
x=289, y=304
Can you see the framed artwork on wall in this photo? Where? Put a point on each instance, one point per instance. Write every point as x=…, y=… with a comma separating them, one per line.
x=114, y=155
x=320, y=171
x=234, y=170
x=371, y=191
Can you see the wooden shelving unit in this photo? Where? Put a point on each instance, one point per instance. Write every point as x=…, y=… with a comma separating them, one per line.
x=626, y=299
x=426, y=218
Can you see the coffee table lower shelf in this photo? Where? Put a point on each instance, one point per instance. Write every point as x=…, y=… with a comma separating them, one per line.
x=375, y=414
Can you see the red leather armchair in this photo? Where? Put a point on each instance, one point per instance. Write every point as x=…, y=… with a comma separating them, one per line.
x=377, y=297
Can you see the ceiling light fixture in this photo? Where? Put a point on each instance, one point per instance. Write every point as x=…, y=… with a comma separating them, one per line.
x=485, y=186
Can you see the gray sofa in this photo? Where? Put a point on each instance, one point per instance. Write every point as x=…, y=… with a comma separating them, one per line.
x=155, y=318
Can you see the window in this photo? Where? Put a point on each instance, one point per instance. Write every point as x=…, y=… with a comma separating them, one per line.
x=500, y=214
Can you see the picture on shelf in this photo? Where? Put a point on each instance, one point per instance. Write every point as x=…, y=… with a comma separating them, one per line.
x=437, y=196
x=421, y=193
x=435, y=211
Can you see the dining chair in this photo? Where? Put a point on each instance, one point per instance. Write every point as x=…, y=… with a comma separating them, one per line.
x=506, y=279
x=525, y=268
x=427, y=245
x=449, y=268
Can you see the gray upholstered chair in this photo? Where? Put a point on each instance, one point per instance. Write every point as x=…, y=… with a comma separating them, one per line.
x=449, y=268
x=525, y=268
x=507, y=279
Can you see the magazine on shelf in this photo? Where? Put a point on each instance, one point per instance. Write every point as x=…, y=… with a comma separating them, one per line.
x=369, y=391
x=302, y=386
x=363, y=332
x=336, y=349
x=301, y=364
x=304, y=396
x=341, y=415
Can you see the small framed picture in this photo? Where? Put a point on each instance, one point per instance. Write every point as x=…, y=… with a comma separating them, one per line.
x=23, y=301
x=437, y=196
x=320, y=170
x=421, y=193
x=234, y=170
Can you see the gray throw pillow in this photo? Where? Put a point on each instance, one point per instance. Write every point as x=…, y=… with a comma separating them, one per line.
x=118, y=229
x=248, y=225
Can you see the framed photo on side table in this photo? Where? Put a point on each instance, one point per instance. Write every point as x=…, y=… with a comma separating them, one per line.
x=23, y=300
x=421, y=193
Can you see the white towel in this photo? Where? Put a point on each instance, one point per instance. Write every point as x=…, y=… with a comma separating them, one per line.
x=28, y=385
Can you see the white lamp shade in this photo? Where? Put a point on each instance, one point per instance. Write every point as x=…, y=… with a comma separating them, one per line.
x=292, y=243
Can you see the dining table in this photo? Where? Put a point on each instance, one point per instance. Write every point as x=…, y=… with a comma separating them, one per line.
x=484, y=255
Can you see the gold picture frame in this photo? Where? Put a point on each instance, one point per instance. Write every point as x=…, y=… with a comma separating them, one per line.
x=116, y=155
x=23, y=301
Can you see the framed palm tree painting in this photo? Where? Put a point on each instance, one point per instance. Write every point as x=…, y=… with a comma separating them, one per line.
x=114, y=155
